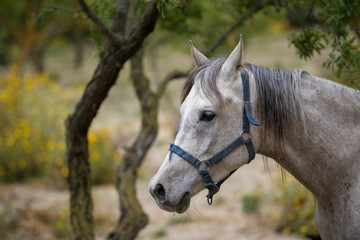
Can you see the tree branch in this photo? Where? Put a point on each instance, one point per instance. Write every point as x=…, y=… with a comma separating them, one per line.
x=56, y=7
x=356, y=29
x=169, y=77
x=181, y=74
x=150, y=16
x=225, y=34
x=100, y=25
x=121, y=17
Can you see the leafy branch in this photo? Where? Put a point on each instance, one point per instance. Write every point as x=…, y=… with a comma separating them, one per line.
x=335, y=19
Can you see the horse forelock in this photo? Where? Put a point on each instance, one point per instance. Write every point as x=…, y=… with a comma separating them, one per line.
x=206, y=74
x=279, y=101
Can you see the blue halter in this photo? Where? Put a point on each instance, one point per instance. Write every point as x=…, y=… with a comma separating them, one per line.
x=203, y=166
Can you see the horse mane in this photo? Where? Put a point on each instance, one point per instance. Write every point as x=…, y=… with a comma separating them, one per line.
x=279, y=101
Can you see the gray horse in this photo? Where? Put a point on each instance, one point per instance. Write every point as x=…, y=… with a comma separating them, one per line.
x=309, y=125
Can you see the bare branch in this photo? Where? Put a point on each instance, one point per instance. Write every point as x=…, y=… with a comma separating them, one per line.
x=97, y=21
x=171, y=76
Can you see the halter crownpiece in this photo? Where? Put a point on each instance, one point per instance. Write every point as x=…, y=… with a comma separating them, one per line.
x=203, y=166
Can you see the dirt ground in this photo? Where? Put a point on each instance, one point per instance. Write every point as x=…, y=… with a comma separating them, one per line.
x=225, y=219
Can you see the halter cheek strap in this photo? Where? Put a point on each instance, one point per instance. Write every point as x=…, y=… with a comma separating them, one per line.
x=215, y=159
x=218, y=157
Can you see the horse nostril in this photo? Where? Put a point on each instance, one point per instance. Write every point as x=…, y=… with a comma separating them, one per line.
x=159, y=192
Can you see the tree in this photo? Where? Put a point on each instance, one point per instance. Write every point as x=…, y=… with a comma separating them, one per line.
x=337, y=26
x=25, y=25
x=119, y=49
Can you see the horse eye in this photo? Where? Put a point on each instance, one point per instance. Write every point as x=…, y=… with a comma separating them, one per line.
x=207, y=116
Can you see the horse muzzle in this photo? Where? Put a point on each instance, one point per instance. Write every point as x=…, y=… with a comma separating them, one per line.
x=162, y=199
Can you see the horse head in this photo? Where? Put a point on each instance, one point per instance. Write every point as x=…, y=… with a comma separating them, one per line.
x=212, y=123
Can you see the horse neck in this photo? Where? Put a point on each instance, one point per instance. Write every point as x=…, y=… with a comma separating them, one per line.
x=324, y=152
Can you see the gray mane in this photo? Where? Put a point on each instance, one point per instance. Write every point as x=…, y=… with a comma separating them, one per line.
x=279, y=103
x=279, y=99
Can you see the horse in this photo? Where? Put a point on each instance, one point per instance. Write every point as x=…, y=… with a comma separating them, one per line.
x=231, y=110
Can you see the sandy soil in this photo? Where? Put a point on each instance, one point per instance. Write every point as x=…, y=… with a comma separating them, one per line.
x=223, y=220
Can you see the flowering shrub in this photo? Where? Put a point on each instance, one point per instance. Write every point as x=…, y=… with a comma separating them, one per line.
x=297, y=206
x=294, y=205
x=32, y=144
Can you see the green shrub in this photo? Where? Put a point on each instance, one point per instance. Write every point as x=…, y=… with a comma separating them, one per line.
x=159, y=233
x=251, y=202
x=180, y=219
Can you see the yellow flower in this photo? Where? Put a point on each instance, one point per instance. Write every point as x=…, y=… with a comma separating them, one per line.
x=304, y=229
x=63, y=214
x=296, y=201
x=2, y=171
x=287, y=230
x=65, y=172
x=117, y=158
x=292, y=216
x=257, y=192
x=50, y=144
x=95, y=156
x=59, y=161
x=92, y=138
x=105, y=132
x=10, y=140
x=27, y=146
x=59, y=224
x=61, y=146
x=22, y=164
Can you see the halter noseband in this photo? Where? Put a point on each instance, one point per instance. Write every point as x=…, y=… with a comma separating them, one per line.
x=203, y=166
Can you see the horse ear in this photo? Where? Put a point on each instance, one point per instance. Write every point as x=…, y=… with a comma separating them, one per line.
x=235, y=59
x=198, y=57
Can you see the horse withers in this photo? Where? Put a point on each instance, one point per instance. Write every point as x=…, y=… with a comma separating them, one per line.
x=309, y=125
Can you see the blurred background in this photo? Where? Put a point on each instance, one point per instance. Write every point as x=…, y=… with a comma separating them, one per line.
x=49, y=51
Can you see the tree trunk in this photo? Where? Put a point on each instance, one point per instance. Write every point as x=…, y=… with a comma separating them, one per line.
x=133, y=219
x=77, y=126
x=78, y=123
x=37, y=52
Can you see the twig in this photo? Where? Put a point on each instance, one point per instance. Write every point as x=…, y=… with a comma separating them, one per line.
x=97, y=21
